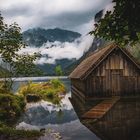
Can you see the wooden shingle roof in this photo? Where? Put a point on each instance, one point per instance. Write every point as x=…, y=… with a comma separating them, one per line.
x=91, y=62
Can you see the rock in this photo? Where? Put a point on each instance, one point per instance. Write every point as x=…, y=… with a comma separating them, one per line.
x=51, y=134
x=32, y=98
x=42, y=130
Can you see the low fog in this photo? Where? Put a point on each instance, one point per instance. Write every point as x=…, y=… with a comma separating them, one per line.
x=51, y=51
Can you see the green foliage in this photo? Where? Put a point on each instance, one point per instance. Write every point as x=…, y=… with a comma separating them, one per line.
x=56, y=83
x=10, y=44
x=24, y=65
x=28, y=88
x=56, y=101
x=58, y=70
x=135, y=51
x=49, y=91
x=13, y=133
x=4, y=86
x=50, y=94
x=122, y=25
x=11, y=107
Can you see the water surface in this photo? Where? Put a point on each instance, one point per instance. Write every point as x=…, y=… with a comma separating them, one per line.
x=122, y=122
x=46, y=115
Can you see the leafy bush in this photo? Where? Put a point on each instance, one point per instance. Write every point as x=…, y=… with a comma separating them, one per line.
x=11, y=107
x=26, y=89
x=12, y=132
x=4, y=86
x=58, y=70
x=135, y=51
x=56, y=83
x=56, y=101
x=50, y=94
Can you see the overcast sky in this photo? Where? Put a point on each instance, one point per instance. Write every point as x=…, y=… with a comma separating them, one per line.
x=76, y=15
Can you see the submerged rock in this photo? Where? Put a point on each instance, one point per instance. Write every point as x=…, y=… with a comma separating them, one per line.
x=42, y=130
x=51, y=135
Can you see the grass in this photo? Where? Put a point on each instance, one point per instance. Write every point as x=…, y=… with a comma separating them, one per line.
x=12, y=132
x=11, y=107
x=51, y=91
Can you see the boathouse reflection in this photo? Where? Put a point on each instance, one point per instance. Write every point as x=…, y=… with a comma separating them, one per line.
x=122, y=122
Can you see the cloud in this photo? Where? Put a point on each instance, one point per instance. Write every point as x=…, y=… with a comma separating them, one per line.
x=51, y=13
x=109, y=7
x=51, y=51
x=85, y=28
x=77, y=15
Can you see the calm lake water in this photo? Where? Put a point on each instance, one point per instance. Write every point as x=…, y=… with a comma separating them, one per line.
x=45, y=115
x=122, y=122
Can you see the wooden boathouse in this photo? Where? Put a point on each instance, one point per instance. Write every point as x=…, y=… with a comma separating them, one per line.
x=110, y=71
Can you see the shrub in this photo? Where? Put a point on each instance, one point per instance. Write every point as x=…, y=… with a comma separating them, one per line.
x=12, y=133
x=26, y=89
x=56, y=101
x=50, y=94
x=3, y=88
x=11, y=107
x=56, y=83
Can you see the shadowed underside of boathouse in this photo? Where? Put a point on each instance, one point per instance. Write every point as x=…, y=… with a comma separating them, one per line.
x=110, y=71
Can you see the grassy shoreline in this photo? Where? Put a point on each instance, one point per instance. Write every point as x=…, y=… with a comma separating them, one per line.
x=7, y=133
x=11, y=106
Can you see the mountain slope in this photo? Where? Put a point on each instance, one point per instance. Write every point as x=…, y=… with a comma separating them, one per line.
x=69, y=65
x=97, y=43
x=38, y=36
x=49, y=69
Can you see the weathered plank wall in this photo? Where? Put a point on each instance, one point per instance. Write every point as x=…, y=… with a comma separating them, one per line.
x=78, y=88
x=116, y=75
x=80, y=85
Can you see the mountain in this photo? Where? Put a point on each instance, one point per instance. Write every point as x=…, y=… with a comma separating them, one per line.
x=49, y=69
x=98, y=16
x=38, y=36
x=68, y=65
x=97, y=44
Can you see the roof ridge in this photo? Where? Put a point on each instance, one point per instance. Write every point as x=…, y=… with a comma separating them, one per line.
x=92, y=61
x=129, y=54
x=100, y=49
x=110, y=48
x=81, y=69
